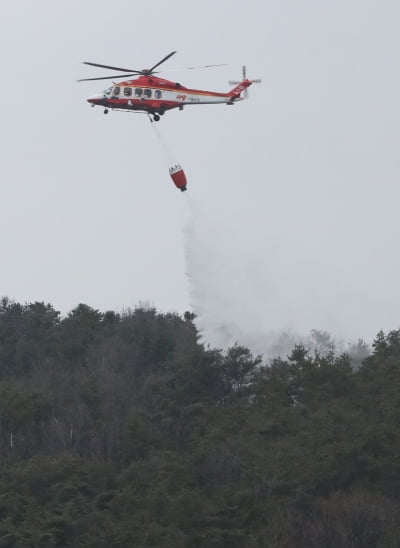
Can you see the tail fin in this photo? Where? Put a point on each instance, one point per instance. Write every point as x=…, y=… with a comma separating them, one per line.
x=235, y=93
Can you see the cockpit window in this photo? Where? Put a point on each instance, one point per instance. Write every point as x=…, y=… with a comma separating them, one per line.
x=117, y=89
x=107, y=91
x=128, y=92
x=138, y=92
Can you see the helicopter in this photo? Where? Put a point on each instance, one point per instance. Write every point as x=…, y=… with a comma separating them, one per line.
x=150, y=94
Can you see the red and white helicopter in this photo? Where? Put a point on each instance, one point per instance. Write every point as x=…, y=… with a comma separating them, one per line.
x=152, y=95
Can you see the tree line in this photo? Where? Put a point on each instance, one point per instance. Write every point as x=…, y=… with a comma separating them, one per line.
x=122, y=429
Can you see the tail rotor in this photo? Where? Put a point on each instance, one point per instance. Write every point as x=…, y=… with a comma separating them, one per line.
x=244, y=77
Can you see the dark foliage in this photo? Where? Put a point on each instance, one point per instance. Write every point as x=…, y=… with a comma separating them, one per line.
x=122, y=430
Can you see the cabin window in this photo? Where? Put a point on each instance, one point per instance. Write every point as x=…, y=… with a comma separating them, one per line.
x=147, y=93
x=138, y=92
x=116, y=91
x=128, y=92
x=157, y=94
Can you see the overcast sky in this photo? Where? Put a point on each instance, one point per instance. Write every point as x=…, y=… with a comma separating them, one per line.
x=291, y=219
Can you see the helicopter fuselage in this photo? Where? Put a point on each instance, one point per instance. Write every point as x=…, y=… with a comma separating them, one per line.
x=155, y=95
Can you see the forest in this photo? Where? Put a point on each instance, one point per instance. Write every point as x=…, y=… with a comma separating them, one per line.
x=124, y=430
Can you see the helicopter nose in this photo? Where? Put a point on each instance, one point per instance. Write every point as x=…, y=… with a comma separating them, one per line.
x=95, y=99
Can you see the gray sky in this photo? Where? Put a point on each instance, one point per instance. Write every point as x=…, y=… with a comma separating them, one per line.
x=291, y=217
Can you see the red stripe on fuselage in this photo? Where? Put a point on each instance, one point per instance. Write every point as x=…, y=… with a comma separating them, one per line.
x=165, y=85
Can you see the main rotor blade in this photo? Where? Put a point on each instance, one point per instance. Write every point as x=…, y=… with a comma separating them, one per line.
x=111, y=68
x=107, y=77
x=208, y=66
x=162, y=61
x=190, y=68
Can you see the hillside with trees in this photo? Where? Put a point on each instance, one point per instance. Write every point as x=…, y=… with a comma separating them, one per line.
x=122, y=430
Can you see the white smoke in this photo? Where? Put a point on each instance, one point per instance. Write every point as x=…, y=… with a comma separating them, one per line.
x=250, y=283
